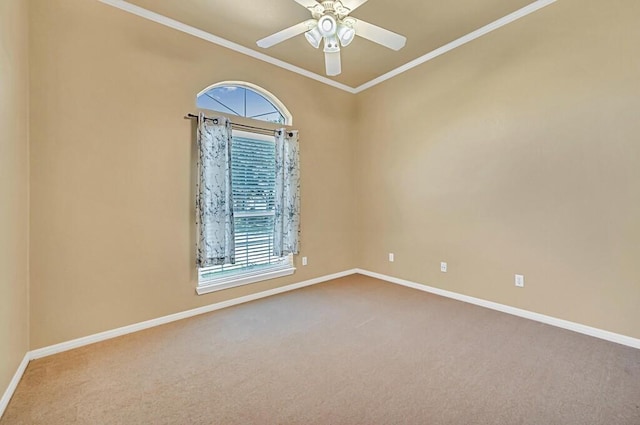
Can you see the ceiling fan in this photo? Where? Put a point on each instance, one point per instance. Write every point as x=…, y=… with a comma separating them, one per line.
x=331, y=22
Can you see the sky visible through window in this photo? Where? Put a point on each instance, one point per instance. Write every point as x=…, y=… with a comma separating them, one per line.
x=240, y=101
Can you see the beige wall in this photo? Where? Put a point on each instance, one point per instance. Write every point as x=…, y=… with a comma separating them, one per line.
x=14, y=187
x=517, y=153
x=112, y=176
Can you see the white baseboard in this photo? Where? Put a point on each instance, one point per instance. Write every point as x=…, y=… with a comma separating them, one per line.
x=6, y=397
x=102, y=336
x=560, y=323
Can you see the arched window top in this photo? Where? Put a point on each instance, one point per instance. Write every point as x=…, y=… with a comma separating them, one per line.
x=244, y=100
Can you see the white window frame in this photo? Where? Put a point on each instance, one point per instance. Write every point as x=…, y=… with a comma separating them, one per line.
x=233, y=279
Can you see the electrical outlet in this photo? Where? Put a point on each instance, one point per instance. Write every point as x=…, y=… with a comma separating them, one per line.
x=443, y=267
x=520, y=281
x=391, y=257
x=304, y=261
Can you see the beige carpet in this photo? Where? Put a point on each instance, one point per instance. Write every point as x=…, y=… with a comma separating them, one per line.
x=350, y=351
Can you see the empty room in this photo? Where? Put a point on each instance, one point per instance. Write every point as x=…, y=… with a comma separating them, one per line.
x=320, y=212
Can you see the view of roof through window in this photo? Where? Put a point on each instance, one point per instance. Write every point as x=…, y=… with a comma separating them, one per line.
x=241, y=101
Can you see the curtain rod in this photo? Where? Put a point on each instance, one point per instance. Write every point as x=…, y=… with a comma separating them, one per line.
x=233, y=124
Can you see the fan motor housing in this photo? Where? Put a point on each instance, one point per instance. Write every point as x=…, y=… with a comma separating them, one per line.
x=334, y=8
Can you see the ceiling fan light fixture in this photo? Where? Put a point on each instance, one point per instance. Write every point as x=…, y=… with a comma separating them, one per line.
x=327, y=26
x=314, y=37
x=346, y=33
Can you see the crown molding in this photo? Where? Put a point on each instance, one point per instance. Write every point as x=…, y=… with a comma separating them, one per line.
x=188, y=29
x=518, y=14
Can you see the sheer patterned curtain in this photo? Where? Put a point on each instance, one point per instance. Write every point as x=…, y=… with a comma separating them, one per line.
x=287, y=202
x=214, y=203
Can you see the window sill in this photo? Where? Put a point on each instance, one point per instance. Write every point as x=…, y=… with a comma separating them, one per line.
x=240, y=279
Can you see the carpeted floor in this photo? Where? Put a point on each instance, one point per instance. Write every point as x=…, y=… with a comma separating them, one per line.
x=350, y=351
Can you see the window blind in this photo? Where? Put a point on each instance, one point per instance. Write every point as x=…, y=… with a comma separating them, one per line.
x=253, y=183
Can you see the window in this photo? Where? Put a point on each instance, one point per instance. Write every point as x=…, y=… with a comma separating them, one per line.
x=244, y=100
x=253, y=184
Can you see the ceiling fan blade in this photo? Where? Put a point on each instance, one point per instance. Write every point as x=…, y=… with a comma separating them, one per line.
x=333, y=63
x=379, y=35
x=307, y=3
x=286, y=34
x=353, y=4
